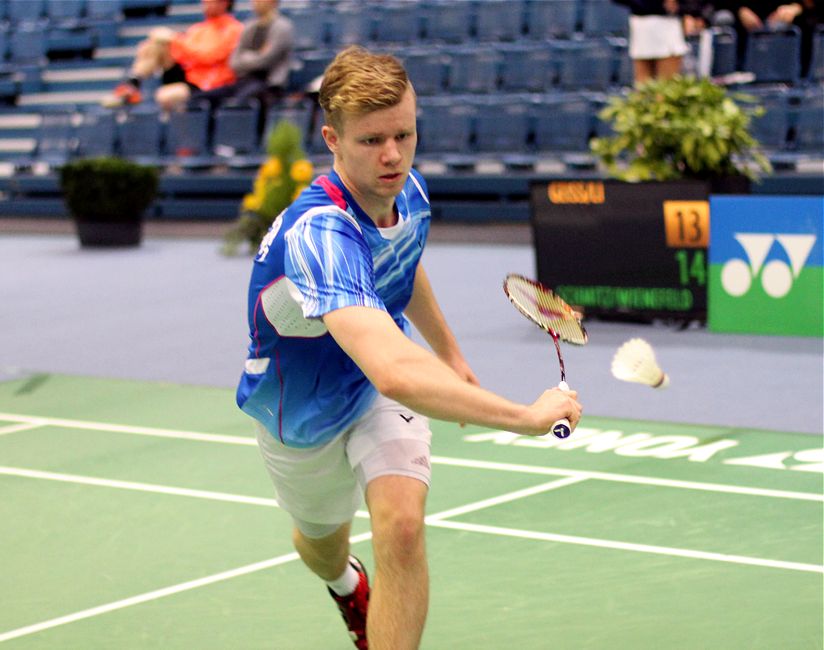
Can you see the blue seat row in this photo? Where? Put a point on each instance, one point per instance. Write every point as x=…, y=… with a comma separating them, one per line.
x=404, y=22
x=195, y=138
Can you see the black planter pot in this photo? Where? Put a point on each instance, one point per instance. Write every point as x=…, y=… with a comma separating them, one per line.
x=109, y=234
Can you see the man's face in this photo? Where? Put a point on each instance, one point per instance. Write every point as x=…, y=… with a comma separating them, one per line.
x=214, y=8
x=374, y=152
x=262, y=7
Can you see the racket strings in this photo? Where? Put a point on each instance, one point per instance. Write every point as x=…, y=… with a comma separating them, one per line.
x=545, y=309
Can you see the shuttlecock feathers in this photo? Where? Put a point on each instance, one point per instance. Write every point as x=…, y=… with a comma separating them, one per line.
x=635, y=361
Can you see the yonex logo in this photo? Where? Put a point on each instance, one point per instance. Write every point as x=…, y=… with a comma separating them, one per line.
x=777, y=277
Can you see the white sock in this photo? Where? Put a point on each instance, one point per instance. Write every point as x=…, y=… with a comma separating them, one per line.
x=346, y=583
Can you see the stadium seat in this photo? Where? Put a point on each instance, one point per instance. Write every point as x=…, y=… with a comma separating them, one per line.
x=624, y=69
x=502, y=125
x=473, y=69
x=96, y=133
x=426, y=69
x=526, y=67
x=724, y=48
x=22, y=12
x=300, y=114
x=446, y=21
x=774, y=56
x=398, y=22
x=552, y=19
x=499, y=20
x=563, y=123
x=311, y=26
x=808, y=113
x=56, y=140
x=445, y=128
x=140, y=134
x=816, y=68
x=27, y=45
x=772, y=128
x=351, y=25
x=187, y=137
x=4, y=43
x=235, y=139
x=65, y=11
x=586, y=64
x=105, y=17
x=603, y=17
x=309, y=66
x=70, y=42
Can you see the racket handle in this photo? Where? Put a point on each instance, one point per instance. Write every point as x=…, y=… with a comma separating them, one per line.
x=561, y=428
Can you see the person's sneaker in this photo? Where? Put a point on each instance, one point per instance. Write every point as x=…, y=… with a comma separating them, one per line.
x=353, y=607
x=125, y=93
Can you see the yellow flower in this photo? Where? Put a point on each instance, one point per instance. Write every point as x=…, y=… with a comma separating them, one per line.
x=271, y=168
x=252, y=202
x=260, y=185
x=301, y=171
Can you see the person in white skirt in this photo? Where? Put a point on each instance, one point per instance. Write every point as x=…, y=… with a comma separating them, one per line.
x=656, y=38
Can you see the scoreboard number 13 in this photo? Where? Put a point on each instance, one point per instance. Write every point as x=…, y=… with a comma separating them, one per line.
x=687, y=224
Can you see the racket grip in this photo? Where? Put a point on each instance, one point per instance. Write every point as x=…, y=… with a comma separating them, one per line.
x=562, y=428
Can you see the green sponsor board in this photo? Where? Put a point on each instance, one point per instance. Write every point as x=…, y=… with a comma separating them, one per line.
x=799, y=313
x=766, y=265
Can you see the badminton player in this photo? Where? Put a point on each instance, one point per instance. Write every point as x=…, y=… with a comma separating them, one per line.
x=340, y=392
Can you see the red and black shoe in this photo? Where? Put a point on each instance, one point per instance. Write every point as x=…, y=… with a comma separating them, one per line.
x=353, y=607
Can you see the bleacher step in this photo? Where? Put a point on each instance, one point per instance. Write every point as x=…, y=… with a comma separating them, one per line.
x=67, y=98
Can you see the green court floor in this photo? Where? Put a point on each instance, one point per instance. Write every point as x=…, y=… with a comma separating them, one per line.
x=138, y=515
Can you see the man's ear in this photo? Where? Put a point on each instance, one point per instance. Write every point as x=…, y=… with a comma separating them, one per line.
x=330, y=136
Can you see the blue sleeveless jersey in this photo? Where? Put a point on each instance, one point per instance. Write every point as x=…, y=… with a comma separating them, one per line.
x=321, y=254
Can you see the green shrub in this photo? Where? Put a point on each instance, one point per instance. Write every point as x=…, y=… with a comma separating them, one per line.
x=108, y=189
x=680, y=128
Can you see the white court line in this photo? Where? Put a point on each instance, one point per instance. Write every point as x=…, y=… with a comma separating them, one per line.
x=438, y=460
x=628, y=478
x=138, y=487
x=226, y=575
x=435, y=520
x=627, y=546
x=14, y=428
x=504, y=498
x=140, y=431
x=159, y=593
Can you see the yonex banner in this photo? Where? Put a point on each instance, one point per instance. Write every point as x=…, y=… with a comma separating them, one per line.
x=765, y=271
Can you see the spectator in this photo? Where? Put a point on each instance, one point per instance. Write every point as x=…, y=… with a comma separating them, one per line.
x=262, y=58
x=656, y=38
x=754, y=15
x=195, y=60
x=807, y=16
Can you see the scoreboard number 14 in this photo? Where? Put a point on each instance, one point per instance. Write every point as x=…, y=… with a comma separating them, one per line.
x=687, y=225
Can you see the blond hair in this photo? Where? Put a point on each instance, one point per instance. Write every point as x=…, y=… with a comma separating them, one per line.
x=359, y=82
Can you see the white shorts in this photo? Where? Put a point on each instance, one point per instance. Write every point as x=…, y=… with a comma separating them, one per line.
x=656, y=37
x=324, y=485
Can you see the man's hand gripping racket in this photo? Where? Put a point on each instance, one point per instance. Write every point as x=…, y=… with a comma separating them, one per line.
x=549, y=312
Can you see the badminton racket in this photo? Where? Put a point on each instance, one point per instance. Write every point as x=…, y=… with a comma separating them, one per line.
x=549, y=312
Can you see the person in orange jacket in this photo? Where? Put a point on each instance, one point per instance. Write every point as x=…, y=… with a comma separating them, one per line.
x=197, y=59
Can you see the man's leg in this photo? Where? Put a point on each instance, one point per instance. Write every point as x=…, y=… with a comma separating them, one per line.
x=400, y=591
x=172, y=97
x=149, y=59
x=325, y=556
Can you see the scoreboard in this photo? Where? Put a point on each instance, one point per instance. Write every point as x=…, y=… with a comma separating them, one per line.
x=620, y=249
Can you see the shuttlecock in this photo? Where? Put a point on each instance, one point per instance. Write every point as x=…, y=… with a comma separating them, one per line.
x=635, y=361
